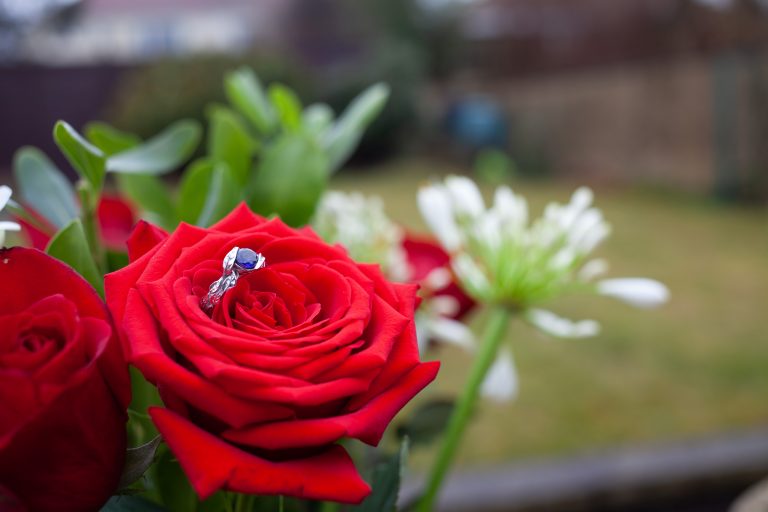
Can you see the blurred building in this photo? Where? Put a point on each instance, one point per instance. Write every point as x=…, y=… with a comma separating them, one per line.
x=670, y=92
x=127, y=31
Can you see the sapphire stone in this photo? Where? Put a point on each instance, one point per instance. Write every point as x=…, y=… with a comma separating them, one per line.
x=247, y=259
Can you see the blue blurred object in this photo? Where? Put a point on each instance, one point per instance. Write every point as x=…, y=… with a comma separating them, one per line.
x=477, y=122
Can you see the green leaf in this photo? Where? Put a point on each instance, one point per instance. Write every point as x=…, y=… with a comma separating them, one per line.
x=386, y=483
x=131, y=504
x=287, y=105
x=143, y=396
x=162, y=153
x=229, y=142
x=108, y=139
x=208, y=192
x=427, y=422
x=137, y=461
x=44, y=188
x=291, y=177
x=151, y=195
x=88, y=160
x=71, y=246
x=318, y=117
x=245, y=93
x=175, y=490
x=342, y=139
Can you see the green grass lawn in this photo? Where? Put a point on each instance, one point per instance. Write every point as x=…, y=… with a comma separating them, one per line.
x=697, y=366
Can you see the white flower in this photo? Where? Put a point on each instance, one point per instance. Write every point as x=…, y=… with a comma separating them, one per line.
x=638, y=291
x=5, y=196
x=361, y=226
x=500, y=257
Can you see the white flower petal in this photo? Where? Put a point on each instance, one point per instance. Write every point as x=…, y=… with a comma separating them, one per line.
x=444, y=305
x=501, y=382
x=436, y=208
x=5, y=195
x=9, y=226
x=593, y=269
x=640, y=292
x=559, y=327
x=438, y=278
x=465, y=195
x=471, y=275
x=453, y=332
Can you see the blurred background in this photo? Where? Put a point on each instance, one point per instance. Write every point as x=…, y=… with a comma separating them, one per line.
x=660, y=105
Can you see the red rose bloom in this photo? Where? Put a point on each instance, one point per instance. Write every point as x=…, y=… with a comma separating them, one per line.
x=64, y=389
x=424, y=255
x=298, y=355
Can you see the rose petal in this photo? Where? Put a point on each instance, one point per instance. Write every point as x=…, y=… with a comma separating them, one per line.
x=143, y=238
x=212, y=464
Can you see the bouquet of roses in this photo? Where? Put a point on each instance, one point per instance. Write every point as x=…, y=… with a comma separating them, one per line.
x=269, y=324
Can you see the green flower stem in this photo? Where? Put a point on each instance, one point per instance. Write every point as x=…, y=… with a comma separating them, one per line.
x=281, y=503
x=89, y=201
x=494, y=335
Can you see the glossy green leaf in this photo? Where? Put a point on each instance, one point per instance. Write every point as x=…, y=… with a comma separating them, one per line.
x=317, y=118
x=208, y=192
x=44, y=188
x=137, y=462
x=427, y=422
x=108, y=139
x=71, y=246
x=160, y=154
x=386, y=483
x=88, y=160
x=151, y=195
x=230, y=142
x=287, y=105
x=342, y=139
x=245, y=93
x=291, y=177
x=131, y=504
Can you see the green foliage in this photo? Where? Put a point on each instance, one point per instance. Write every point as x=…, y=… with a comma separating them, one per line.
x=44, y=188
x=161, y=154
x=427, y=422
x=151, y=195
x=131, y=504
x=290, y=179
x=244, y=92
x=88, y=160
x=207, y=193
x=386, y=483
x=264, y=150
x=137, y=462
x=229, y=142
x=71, y=246
x=342, y=139
x=108, y=139
x=287, y=106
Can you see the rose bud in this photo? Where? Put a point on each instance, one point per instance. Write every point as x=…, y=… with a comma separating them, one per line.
x=64, y=389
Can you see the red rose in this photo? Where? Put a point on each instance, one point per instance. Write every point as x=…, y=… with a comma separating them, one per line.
x=116, y=220
x=64, y=389
x=424, y=256
x=298, y=355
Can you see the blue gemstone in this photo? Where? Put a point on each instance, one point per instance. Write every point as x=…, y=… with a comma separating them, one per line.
x=246, y=258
